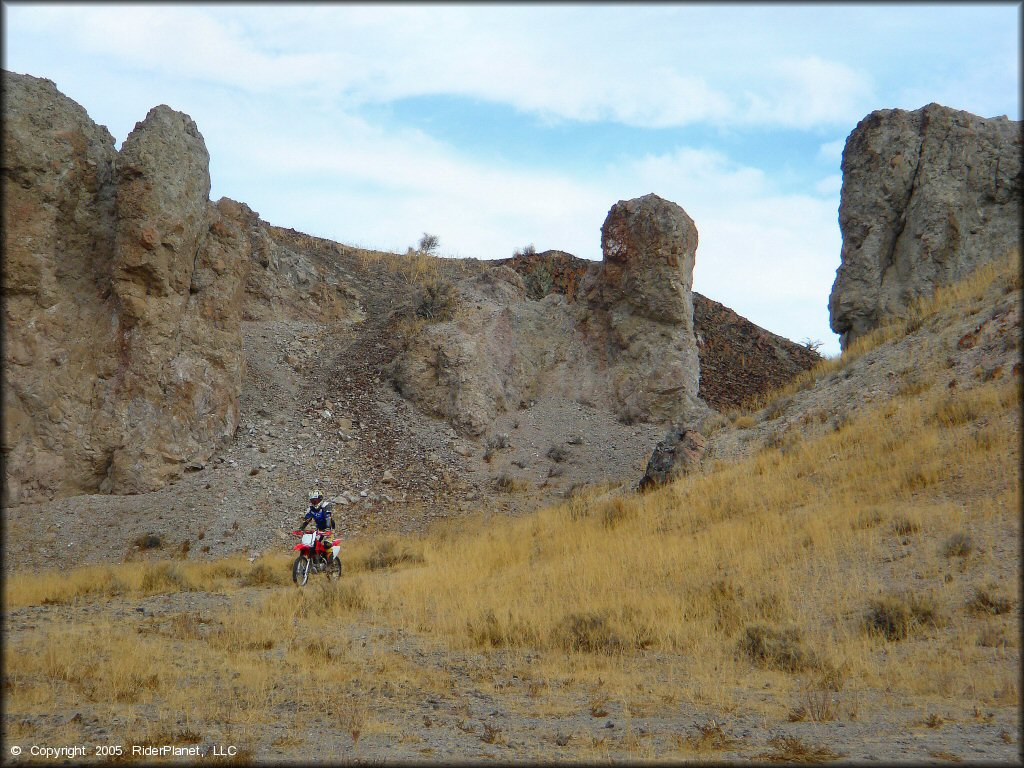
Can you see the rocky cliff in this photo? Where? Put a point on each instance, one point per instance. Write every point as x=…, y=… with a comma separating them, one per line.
x=122, y=299
x=927, y=196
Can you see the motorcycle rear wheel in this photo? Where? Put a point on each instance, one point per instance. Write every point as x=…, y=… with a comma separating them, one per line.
x=300, y=570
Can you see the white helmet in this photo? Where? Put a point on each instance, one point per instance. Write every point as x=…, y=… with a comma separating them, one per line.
x=316, y=498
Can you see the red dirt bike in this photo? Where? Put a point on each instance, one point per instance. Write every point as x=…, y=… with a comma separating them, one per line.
x=315, y=556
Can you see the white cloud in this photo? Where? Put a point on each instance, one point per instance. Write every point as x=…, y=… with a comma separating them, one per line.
x=830, y=185
x=600, y=63
x=833, y=151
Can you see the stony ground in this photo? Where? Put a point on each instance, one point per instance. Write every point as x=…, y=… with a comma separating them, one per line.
x=468, y=705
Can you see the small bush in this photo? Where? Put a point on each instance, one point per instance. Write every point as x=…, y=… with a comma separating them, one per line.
x=149, y=541
x=709, y=737
x=958, y=545
x=438, y=300
x=790, y=749
x=386, y=554
x=904, y=526
x=428, y=243
x=776, y=649
x=988, y=600
x=558, y=453
x=744, y=422
x=505, y=483
x=896, y=616
x=587, y=633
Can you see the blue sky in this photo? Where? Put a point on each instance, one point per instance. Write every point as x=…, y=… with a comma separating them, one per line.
x=495, y=126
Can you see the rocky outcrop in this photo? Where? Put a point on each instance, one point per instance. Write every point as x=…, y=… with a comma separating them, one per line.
x=548, y=272
x=122, y=299
x=680, y=452
x=927, y=196
x=298, y=276
x=738, y=359
x=642, y=296
x=626, y=343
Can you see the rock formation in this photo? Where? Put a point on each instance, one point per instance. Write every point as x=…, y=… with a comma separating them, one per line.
x=680, y=452
x=126, y=291
x=625, y=344
x=122, y=299
x=927, y=196
x=643, y=295
x=738, y=359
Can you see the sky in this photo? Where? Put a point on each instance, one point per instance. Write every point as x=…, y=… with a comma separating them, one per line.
x=497, y=126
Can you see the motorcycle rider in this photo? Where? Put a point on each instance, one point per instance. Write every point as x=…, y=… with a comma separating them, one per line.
x=319, y=513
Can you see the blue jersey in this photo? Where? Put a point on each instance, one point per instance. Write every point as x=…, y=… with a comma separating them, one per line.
x=322, y=517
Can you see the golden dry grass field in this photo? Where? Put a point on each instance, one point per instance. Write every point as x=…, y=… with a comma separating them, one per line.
x=853, y=594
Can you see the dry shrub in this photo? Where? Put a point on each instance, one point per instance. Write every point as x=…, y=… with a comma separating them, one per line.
x=958, y=545
x=776, y=648
x=265, y=575
x=988, y=600
x=437, y=300
x=505, y=483
x=614, y=511
x=165, y=577
x=709, y=737
x=386, y=554
x=905, y=526
x=149, y=541
x=790, y=749
x=896, y=616
x=587, y=633
x=744, y=422
x=558, y=453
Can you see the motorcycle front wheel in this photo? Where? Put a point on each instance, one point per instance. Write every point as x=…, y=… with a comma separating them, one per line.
x=300, y=570
x=334, y=569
